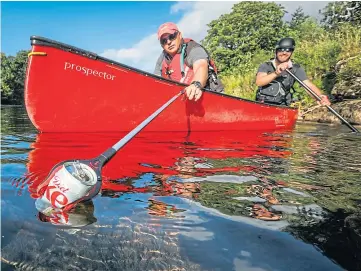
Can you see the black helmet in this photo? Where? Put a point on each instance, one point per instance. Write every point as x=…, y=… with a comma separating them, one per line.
x=286, y=43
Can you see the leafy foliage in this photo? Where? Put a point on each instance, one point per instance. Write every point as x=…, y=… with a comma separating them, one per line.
x=251, y=26
x=13, y=71
x=298, y=18
x=243, y=39
x=241, y=83
x=339, y=12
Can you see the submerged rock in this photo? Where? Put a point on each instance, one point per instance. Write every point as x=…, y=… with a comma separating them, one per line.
x=313, y=210
x=296, y=192
x=252, y=199
x=353, y=226
x=125, y=246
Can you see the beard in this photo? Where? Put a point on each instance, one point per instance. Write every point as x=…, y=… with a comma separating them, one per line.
x=284, y=59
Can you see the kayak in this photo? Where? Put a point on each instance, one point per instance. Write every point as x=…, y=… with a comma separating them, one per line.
x=68, y=89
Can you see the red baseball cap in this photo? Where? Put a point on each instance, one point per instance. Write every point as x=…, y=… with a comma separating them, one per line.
x=167, y=28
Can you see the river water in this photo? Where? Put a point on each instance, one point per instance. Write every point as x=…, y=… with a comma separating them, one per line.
x=285, y=200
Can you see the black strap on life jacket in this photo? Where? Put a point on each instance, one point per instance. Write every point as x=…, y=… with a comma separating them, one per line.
x=213, y=82
x=294, y=67
x=192, y=44
x=212, y=69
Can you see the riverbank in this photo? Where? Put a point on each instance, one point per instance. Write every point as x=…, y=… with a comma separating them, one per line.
x=349, y=110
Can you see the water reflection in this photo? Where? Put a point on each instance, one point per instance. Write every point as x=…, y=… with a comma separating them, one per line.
x=212, y=201
x=170, y=164
x=174, y=165
x=79, y=215
x=159, y=208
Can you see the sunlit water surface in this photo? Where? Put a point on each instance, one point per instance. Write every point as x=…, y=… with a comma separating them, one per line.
x=286, y=200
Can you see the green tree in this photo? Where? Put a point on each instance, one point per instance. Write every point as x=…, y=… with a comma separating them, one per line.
x=13, y=70
x=251, y=26
x=6, y=79
x=298, y=18
x=336, y=13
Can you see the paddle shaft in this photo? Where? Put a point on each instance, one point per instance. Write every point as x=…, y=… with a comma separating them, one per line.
x=318, y=98
x=113, y=150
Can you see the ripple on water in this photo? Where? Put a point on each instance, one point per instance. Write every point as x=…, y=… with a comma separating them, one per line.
x=171, y=203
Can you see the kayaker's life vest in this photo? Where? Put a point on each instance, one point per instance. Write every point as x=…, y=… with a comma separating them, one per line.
x=278, y=91
x=178, y=69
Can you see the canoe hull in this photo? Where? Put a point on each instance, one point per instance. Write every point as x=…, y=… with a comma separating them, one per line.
x=71, y=90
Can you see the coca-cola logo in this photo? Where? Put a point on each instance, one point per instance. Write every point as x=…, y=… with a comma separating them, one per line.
x=54, y=193
x=56, y=198
x=59, y=218
x=57, y=182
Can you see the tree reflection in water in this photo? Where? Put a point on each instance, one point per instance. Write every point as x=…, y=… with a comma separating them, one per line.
x=295, y=177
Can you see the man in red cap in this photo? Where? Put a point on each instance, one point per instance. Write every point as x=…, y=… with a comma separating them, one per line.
x=183, y=60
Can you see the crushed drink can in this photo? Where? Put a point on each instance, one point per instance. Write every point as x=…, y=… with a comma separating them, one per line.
x=68, y=183
x=82, y=215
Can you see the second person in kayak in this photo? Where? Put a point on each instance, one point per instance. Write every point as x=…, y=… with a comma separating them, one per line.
x=275, y=84
x=185, y=61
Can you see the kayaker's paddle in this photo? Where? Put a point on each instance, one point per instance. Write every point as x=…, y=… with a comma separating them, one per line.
x=318, y=98
x=76, y=180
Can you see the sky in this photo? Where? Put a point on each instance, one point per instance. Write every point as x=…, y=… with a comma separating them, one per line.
x=122, y=31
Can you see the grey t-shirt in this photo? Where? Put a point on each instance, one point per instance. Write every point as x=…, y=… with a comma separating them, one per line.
x=196, y=53
x=286, y=79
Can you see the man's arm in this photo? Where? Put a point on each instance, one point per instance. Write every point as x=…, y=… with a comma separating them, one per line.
x=158, y=65
x=263, y=78
x=200, y=69
x=301, y=74
x=198, y=59
x=325, y=100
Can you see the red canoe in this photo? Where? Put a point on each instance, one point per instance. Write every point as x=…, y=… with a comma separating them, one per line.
x=68, y=89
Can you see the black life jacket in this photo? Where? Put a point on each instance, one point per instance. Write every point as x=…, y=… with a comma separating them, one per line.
x=278, y=91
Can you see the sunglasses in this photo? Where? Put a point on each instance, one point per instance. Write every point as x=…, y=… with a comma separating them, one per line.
x=285, y=50
x=170, y=37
